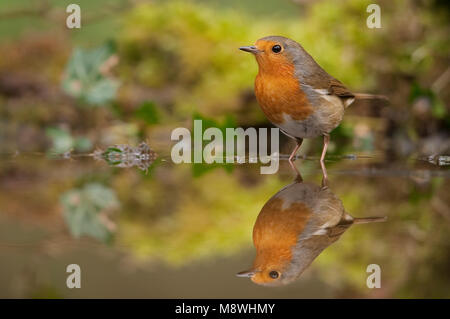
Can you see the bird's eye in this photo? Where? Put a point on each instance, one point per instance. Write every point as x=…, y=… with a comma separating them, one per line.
x=274, y=274
x=276, y=48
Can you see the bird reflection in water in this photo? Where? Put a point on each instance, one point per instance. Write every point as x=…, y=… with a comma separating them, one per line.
x=294, y=227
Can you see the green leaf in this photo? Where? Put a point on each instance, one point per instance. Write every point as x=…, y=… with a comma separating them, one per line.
x=62, y=141
x=101, y=91
x=85, y=79
x=85, y=211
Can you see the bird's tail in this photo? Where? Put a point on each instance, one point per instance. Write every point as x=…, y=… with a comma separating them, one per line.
x=369, y=220
x=365, y=96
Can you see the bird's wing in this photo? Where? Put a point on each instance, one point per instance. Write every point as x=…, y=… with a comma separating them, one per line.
x=308, y=248
x=319, y=82
x=337, y=230
x=330, y=86
x=337, y=88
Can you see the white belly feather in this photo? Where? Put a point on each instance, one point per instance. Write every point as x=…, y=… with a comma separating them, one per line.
x=325, y=118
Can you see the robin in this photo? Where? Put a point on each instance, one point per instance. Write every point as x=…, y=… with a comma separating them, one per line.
x=296, y=94
x=293, y=228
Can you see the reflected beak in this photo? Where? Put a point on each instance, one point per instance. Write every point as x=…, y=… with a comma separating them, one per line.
x=251, y=49
x=246, y=273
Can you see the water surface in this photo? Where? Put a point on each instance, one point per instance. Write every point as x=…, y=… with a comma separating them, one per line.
x=153, y=229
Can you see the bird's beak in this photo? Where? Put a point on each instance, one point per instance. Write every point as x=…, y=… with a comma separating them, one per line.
x=246, y=273
x=251, y=49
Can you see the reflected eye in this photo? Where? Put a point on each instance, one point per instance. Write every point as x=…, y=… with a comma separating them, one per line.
x=274, y=274
x=276, y=48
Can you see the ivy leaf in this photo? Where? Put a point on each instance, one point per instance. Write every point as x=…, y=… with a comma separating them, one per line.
x=86, y=75
x=86, y=211
x=63, y=141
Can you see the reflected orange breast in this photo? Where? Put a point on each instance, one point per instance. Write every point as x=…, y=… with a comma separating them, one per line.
x=277, y=230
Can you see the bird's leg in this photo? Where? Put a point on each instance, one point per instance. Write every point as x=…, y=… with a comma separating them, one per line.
x=324, y=176
x=299, y=143
x=326, y=140
x=298, y=176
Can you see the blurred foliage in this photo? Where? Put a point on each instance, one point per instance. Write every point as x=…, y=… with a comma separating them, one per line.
x=63, y=141
x=86, y=75
x=86, y=211
x=178, y=61
x=194, y=50
x=199, y=169
x=148, y=112
x=438, y=109
x=45, y=292
x=176, y=58
x=189, y=229
x=407, y=218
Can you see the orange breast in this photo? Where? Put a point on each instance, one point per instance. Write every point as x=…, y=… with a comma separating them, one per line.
x=279, y=92
x=276, y=231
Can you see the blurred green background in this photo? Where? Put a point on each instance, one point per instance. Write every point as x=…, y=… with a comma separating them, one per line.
x=138, y=69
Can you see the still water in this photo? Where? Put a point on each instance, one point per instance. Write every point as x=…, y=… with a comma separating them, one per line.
x=145, y=227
